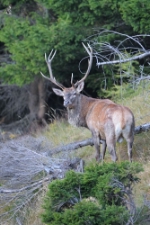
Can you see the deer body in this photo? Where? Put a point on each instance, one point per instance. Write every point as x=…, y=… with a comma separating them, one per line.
x=107, y=121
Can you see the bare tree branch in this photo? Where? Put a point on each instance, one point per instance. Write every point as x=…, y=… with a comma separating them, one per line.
x=18, y=221
x=138, y=57
x=107, y=54
x=35, y=184
x=138, y=80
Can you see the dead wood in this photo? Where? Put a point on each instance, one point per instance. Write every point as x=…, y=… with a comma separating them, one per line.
x=27, y=108
x=13, y=103
x=80, y=144
x=17, y=102
x=25, y=172
x=142, y=128
x=28, y=124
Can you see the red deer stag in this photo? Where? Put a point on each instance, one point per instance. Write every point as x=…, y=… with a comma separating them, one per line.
x=107, y=121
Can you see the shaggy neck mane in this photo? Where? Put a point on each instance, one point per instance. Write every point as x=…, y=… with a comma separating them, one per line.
x=77, y=115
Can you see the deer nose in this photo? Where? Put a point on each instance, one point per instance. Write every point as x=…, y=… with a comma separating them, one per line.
x=66, y=103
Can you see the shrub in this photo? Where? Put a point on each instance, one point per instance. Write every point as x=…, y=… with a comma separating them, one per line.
x=93, y=197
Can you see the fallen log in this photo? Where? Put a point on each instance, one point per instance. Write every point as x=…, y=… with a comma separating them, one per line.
x=89, y=141
x=142, y=128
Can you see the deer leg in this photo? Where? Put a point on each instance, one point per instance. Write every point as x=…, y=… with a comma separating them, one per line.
x=103, y=148
x=96, y=141
x=112, y=151
x=129, y=146
x=129, y=139
x=111, y=145
x=110, y=140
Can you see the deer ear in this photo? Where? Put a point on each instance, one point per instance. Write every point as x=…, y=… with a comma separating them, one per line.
x=80, y=87
x=58, y=92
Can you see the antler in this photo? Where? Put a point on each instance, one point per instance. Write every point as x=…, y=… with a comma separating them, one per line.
x=52, y=78
x=49, y=61
x=90, y=61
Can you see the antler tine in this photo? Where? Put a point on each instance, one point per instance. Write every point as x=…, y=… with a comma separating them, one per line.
x=51, y=58
x=73, y=85
x=89, y=50
x=72, y=78
x=48, y=62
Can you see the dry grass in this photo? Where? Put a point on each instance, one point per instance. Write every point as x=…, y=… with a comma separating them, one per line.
x=31, y=213
x=142, y=189
x=35, y=210
x=61, y=133
x=139, y=103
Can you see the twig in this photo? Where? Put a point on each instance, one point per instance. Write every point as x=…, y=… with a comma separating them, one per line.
x=18, y=221
x=25, y=188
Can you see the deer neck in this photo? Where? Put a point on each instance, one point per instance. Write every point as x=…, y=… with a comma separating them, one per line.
x=77, y=115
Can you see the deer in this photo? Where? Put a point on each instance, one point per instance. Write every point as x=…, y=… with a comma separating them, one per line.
x=108, y=122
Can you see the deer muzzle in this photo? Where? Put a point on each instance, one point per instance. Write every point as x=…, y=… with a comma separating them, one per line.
x=67, y=104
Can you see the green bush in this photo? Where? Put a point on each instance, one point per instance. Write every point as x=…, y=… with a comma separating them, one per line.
x=93, y=197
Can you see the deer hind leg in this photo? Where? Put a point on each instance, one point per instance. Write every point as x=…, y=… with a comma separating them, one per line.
x=112, y=151
x=129, y=137
x=130, y=144
x=111, y=145
x=111, y=140
x=96, y=140
x=103, y=149
x=96, y=145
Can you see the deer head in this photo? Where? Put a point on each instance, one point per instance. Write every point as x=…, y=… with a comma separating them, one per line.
x=69, y=94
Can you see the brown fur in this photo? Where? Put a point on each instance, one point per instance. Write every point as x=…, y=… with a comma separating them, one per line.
x=107, y=121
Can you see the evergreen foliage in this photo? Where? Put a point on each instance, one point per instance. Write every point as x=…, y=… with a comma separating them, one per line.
x=136, y=14
x=36, y=27
x=92, y=197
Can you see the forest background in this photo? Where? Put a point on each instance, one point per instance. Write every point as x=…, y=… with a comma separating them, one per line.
x=29, y=29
